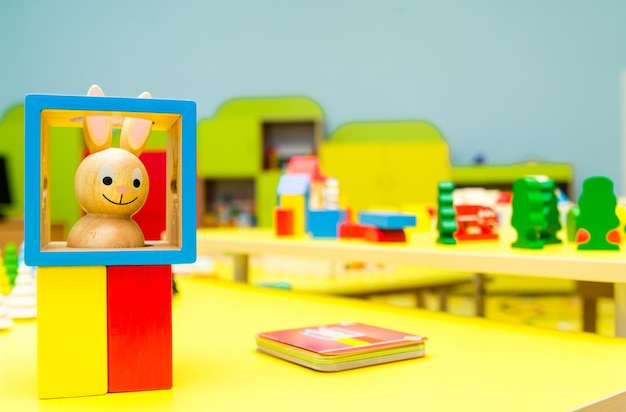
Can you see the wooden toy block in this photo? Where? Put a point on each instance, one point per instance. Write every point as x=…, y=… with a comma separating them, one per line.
x=307, y=165
x=297, y=184
x=551, y=211
x=528, y=213
x=139, y=327
x=152, y=216
x=476, y=222
x=570, y=223
x=297, y=203
x=446, y=214
x=323, y=223
x=374, y=234
x=72, y=331
x=349, y=230
x=597, y=222
x=283, y=221
x=387, y=220
x=176, y=117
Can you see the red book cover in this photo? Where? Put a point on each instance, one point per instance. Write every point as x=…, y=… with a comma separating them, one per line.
x=343, y=338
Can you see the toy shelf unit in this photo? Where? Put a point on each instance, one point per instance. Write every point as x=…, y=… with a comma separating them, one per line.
x=228, y=202
x=177, y=118
x=283, y=139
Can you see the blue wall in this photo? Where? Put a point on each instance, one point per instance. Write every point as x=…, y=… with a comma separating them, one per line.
x=536, y=79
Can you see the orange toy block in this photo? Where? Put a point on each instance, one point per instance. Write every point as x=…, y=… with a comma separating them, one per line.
x=139, y=304
x=283, y=221
x=374, y=234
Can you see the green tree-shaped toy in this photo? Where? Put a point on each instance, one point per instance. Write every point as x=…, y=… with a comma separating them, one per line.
x=597, y=221
x=10, y=261
x=528, y=213
x=551, y=212
x=446, y=215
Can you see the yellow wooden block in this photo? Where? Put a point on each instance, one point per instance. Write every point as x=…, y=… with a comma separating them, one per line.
x=297, y=204
x=72, y=331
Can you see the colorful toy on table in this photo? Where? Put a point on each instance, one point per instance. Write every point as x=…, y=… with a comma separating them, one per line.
x=570, y=223
x=383, y=226
x=283, y=221
x=446, y=215
x=104, y=304
x=551, y=212
x=308, y=201
x=597, y=222
x=10, y=262
x=293, y=195
x=22, y=301
x=528, y=217
x=476, y=223
x=349, y=229
x=111, y=184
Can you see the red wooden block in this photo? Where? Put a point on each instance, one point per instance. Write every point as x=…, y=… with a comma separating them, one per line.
x=151, y=218
x=351, y=230
x=283, y=219
x=139, y=310
x=374, y=234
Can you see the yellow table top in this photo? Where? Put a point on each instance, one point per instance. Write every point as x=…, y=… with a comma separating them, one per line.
x=553, y=261
x=470, y=363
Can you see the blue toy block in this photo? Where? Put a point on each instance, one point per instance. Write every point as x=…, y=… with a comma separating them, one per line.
x=323, y=223
x=388, y=220
x=296, y=184
x=177, y=117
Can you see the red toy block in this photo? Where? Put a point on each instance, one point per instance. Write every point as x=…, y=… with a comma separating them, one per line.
x=283, y=219
x=374, y=234
x=151, y=218
x=351, y=230
x=139, y=310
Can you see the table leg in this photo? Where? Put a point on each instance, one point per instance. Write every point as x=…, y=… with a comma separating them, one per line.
x=240, y=263
x=479, y=294
x=620, y=310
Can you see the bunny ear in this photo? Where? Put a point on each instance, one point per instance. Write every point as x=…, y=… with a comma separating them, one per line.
x=97, y=129
x=135, y=132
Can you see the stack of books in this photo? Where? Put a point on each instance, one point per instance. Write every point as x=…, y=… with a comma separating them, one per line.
x=341, y=346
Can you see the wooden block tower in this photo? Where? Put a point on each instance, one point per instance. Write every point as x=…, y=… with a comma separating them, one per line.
x=104, y=303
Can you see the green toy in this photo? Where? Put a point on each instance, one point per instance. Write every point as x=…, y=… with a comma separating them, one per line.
x=551, y=212
x=10, y=261
x=446, y=215
x=570, y=223
x=528, y=213
x=597, y=221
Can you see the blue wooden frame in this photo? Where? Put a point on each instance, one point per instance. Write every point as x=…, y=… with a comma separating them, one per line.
x=43, y=111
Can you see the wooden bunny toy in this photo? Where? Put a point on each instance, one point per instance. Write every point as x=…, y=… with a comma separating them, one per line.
x=111, y=184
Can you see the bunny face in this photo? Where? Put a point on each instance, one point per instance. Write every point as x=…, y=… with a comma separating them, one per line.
x=111, y=182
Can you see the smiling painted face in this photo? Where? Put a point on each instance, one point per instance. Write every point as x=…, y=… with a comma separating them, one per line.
x=111, y=182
